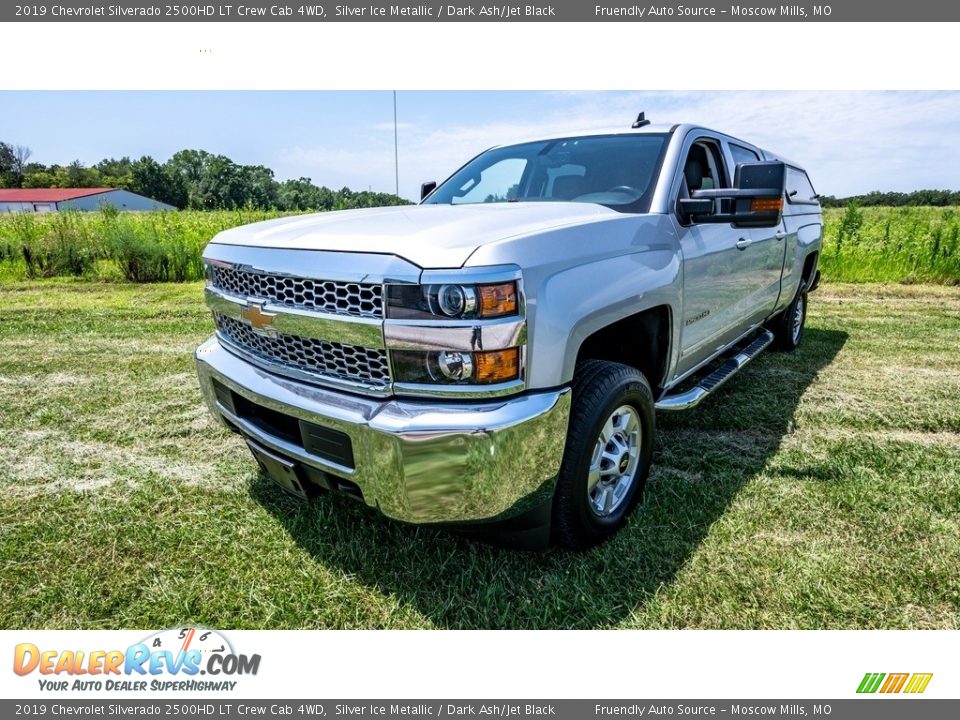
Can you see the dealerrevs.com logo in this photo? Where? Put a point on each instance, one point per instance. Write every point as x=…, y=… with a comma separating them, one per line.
x=172, y=659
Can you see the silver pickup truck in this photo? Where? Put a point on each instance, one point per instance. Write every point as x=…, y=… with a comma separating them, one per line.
x=493, y=358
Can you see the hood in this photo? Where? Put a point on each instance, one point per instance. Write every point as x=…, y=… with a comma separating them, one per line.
x=431, y=236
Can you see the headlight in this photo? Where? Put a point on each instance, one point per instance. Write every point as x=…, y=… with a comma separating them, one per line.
x=457, y=302
x=456, y=368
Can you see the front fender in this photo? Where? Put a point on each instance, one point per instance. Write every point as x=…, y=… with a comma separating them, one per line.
x=580, y=279
x=619, y=287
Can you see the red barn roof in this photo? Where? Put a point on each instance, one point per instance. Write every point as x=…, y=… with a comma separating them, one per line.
x=47, y=195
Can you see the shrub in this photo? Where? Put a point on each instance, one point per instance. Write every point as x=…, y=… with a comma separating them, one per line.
x=58, y=244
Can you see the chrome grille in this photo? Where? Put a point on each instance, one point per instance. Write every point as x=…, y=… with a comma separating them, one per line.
x=344, y=298
x=348, y=362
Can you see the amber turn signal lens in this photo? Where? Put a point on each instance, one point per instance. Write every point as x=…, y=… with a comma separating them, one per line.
x=766, y=204
x=498, y=300
x=497, y=365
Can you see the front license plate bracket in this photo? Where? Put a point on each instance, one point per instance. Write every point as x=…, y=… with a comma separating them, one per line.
x=282, y=471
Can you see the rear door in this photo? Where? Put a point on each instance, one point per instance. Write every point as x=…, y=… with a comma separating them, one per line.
x=766, y=253
x=727, y=271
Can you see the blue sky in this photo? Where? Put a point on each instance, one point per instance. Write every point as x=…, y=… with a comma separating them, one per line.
x=851, y=142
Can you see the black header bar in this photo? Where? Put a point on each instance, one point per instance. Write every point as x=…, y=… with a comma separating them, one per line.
x=470, y=11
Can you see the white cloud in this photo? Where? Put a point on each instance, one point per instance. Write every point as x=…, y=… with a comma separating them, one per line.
x=368, y=166
x=850, y=142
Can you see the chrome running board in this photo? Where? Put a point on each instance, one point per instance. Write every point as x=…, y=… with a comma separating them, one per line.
x=710, y=383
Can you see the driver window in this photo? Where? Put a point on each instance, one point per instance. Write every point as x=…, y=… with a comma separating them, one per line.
x=703, y=169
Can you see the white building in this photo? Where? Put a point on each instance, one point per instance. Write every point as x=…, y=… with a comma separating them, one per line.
x=55, y=199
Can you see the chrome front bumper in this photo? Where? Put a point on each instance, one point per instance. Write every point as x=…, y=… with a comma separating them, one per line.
x=417, y=461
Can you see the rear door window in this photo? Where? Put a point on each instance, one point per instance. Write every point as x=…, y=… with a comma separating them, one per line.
x=742, y=154
x=799, y=188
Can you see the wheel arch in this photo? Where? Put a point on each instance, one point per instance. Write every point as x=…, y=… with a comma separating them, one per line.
x=809, y=267
x=642, y=340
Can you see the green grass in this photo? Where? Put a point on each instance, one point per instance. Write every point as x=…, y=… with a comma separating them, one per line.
x=875, y=244
x=817, y=490
x=887, y=244
x=107, y=245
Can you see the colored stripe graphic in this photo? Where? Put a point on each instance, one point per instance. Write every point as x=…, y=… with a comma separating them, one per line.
x=870, y=682
x=894, y=682
x=918, y=682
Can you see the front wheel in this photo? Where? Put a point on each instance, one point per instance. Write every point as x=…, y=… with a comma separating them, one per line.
x=607, y=456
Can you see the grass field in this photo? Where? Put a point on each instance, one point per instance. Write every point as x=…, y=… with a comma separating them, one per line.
x=817, y=490
x=107, y=245
x=875, y=244
x=892, y=244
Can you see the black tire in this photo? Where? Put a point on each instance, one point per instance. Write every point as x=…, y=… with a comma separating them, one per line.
x=599, y=389
x=786, y=337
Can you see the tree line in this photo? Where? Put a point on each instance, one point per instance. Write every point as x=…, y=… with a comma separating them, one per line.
x=190, y=179
x=200, y=180
x=925, y=198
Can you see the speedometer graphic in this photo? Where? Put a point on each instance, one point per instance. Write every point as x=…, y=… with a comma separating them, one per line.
x=183, y=639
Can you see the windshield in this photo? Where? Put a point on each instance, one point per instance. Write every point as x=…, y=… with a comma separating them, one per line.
x=614, y=170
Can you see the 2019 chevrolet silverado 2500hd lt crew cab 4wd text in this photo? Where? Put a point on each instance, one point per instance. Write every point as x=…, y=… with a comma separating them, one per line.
x=494, y=356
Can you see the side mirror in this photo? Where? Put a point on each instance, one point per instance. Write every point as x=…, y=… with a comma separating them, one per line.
x=696, y=207
x=760, y=176
x=766, y=181
x=755, y=200
x=427, y=188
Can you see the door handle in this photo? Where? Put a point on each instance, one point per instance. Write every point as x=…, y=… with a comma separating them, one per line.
x=744, y=243
x=779, y=234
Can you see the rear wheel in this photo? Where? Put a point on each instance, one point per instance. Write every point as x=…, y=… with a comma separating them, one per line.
x=608, y=453
x=788, y=327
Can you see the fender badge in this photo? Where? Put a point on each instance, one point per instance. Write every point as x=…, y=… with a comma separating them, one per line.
x=697, y=318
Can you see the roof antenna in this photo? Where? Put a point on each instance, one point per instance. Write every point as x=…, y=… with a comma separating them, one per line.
x=640, y=122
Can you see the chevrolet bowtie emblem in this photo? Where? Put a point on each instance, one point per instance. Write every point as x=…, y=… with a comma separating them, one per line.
x=257, y=318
